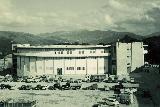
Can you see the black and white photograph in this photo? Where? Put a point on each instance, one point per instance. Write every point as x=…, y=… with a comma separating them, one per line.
x=79, y=53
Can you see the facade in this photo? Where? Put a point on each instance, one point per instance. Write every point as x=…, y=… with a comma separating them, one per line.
x=60, y=59
x=126, y=57
x=118, y=58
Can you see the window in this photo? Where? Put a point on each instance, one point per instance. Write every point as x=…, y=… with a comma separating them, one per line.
x=94, y=51
x=61, y=52
x=67, y=68
x=78, y=68
x=105, y=51
x=67, y=52
x=82, y=52
x=90, y=51
x=128, y=63
x=83, y=68
x=70, y=68
x=102, y=51
x=70, y=52
x=55, y=52
x=79, y=52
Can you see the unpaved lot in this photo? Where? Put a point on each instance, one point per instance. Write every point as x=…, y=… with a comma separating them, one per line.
x=58, y=98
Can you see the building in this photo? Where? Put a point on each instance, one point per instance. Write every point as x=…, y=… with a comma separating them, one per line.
x=118, y=58
x=61, y=59
x=126, y=57
x=6, y=62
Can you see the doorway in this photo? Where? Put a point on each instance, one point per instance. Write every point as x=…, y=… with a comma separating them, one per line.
x=59, y=71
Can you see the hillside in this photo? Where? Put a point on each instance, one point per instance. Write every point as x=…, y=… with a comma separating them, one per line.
x=82, y=36
x=8, y=37
x=91, y=37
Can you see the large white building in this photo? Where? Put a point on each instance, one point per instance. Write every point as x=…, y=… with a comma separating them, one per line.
x=126, y=57
x=119, y=58
x=61, y=59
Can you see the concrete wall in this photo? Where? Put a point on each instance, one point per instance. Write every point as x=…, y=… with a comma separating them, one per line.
x=31, y=66
x=121, y=58
x=137, y=55
x=81, y=63
x=129, y=56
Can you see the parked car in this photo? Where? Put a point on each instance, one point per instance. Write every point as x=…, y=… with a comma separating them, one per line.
x=40, y=87
x=75, y=84
x=97, y=78
x=8, y=78
x=87, y=78
x=111, y=101
x=108, y=80
x=30, y=80
x=51, y=88
x=25, y=87
x=66, y=85
x=91, y=87
x=57, y=85
x=6, y=86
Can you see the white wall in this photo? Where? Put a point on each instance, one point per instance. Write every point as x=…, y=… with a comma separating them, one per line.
x=131, y=54
x=81, y=63
x=19, y=73
x=33, y=69
x=48, y=66
x=137, y=55
x=91, y=66
x=70, y=63
x=101, y=65
x=40, y=66
x=121, y=58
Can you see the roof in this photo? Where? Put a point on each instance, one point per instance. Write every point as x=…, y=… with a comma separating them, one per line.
x=65, y=46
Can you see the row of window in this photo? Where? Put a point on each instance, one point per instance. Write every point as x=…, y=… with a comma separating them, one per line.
x=51, y=68
x=78, y=68
x=68, y=52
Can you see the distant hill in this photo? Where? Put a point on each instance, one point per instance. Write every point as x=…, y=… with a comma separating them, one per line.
x=8, y=37
x=82, y=36
x=91, y=37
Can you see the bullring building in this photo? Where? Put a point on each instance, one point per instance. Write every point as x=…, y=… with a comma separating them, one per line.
x=119, y=58
x=61, y=59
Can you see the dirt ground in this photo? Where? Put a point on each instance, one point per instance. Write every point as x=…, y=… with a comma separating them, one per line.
x=65, y=98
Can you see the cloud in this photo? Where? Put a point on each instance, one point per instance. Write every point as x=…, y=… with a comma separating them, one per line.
x=140, y=17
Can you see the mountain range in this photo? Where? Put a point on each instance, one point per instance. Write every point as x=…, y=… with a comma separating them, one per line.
x=73, y=37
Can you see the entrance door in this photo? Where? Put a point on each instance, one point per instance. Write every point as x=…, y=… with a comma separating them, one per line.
x=59, y=71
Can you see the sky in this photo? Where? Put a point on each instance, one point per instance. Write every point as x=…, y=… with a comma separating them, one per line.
x=40, y=16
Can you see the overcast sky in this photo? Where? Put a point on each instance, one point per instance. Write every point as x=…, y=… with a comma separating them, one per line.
x=40, y=16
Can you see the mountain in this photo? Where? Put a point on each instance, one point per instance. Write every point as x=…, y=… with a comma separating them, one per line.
x=8, y=37
x=152, y=35
x=82, y=36
x=91, y=37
